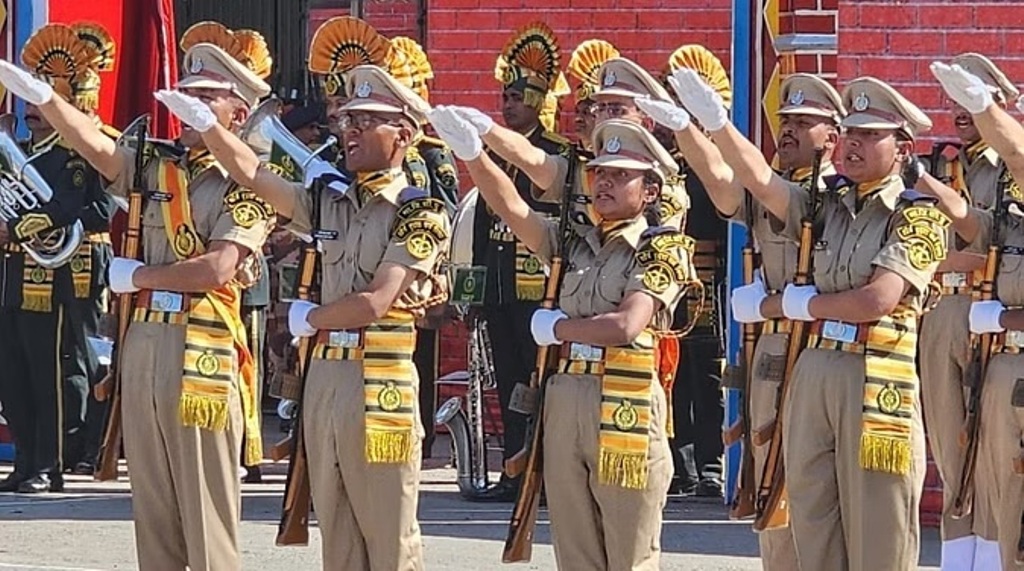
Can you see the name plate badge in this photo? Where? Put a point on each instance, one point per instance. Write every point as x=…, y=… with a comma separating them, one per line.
x=168, y=301
x=838, y=331
x=954, y=279
x=344, y=339
x=582, y=352
x=468, y=287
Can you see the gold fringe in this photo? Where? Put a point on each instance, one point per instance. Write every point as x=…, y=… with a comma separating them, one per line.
x=885, y=454
x=624, y=470
x=81, y=289
x=42, y=303
x=203, y=411
x=526, y=292
x=253, y=444
x=389, y=447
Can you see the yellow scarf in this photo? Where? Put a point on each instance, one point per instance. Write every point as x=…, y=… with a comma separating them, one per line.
x=36, y=286
x=214, y=333
x=371, y=183
x=890, y=390
x=81, y=270
x=388, y=373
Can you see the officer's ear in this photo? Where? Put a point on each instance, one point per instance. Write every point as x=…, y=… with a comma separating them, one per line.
x=904, y=148
x=240, y=113
x=832, y=138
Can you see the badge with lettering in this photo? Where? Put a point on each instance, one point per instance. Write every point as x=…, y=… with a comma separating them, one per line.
x=420, y=245
x=323, y=234
x=389, y=398
x=469, y=285
x=625, y=416
x=861, y=102
x=889, y=399
x=207, y=364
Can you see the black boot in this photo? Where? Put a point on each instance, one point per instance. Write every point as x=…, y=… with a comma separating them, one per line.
x=505, y=491
x=38, y=484
x=12, y=481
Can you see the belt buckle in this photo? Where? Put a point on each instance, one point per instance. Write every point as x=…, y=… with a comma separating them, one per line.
x=839, y=331
x=583, y=352
x=167, y=301
x=1015, y=339
x=343, y=339
x=954, y=279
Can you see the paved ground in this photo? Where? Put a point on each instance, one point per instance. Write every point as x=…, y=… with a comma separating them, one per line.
x=89, y=528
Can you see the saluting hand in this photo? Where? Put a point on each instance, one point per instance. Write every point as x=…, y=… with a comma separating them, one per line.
x=699, y=98
x=22, y=84
x=665, y=114
x=478, y=119
x=963, y=87
x=460, y=134
x=192, y=111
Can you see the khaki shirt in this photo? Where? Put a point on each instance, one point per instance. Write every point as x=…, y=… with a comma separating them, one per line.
x=215, y=210
x=779, y=254
x=357, y=240
x=905, y=237
x=1009, y=286
x=982, y=177
x=597, y=277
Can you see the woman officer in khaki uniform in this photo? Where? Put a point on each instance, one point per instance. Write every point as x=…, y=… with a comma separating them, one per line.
x=606, y=456
x=852, y=433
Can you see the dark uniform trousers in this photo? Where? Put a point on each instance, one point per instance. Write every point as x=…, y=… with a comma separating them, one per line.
x=698, y=402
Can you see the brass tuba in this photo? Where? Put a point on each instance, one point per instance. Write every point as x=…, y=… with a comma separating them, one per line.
x=263, y=130
x=23, y=189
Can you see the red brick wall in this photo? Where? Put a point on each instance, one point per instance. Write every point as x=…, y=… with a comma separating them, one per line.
x=896, y=42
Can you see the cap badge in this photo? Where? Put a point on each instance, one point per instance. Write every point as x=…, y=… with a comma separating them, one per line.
x=364, y=90
x=861, y=103
x=614, y=145
x=609, y=79
x=797, y=98
x=196, y=65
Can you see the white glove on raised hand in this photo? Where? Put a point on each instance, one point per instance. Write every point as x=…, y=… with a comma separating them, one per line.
x=664, y=113
x=796, y=301
x=963, y=87
x=22, y=84
x=542, y=325
x=478, y=119
x=461, y=135
x=298, y=318
x=120, y=275
x=192, y=111
x=699, y=98
x=746, y=302
x=984, y=317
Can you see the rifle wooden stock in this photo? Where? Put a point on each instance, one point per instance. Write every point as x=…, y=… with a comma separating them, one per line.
x=772, y=496
x=293, y=528
x=110, y=448
x=516, y=465
x=743, y=504
x=519, y=540
x=981, y=352
x=282, y=449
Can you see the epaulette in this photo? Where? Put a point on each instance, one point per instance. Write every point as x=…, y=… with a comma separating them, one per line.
x=411, y=193
x=164, y=149
x=555, y=138
x=837, y=181
x=433, y=142
x=653, y=231
x=110, y=131
x=912, y=196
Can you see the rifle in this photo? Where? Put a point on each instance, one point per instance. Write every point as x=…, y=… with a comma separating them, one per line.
x=519, y=541
x=772, y=496
x=981, y=353
x=743, y=502
x=110, y=448
x=293, y=528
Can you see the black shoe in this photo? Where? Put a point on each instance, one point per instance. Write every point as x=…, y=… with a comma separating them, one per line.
x=84, y=469
x=682, y=487
x=504, y=491
x=12, y=481
x=709, y=488
x=253, y=475
x=38, y=484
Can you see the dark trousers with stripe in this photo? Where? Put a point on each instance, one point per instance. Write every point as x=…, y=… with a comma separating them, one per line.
x=425, y=357
x=84, y=416
x=515, y=355
x=32, y=387
x=698, y=409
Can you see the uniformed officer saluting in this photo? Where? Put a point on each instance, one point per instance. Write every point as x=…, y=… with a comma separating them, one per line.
x=187, y=378
x=852, y=433
x=40, y=308
x=382, y=244
x=606, y=457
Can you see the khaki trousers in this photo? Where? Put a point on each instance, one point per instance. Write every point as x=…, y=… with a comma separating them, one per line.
x=186, y=495
x=778, y=552
x=845, y=518
x=999, y=490
x=595, y=526
x=366, y=512
x=944, y=350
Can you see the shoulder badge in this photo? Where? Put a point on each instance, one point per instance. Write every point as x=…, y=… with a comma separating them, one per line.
x=923, y=233
x=246, y=208
x=446, y=175
x=660, y=258
x=419, y=224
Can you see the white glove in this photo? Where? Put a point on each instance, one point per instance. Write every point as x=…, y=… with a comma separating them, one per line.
x=286, y=409
x=796, y=301
x=190, y=110
x=746, y=302
x=332, y=176
x=984, y=317
x=699, y=98
x=478, y=119
x=22, y=84
x=963, y=87
x=542, y=325
x=120, y=275
x=663, y=113
x=298, y=318
x=1020, y=104
x=460, y=135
